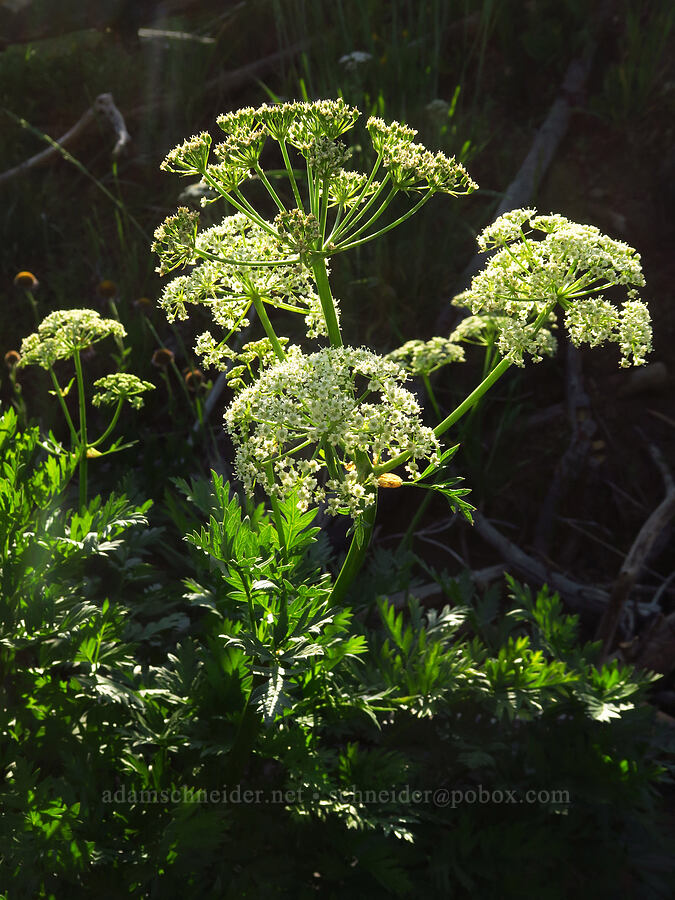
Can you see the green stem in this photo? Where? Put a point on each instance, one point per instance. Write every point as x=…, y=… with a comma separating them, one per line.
x=431, y=395
x=276, y=512
x=59, y=394
x=312, y=191
x=118, y=340
x=291, y=175
x=327, y=302
x=251, y=263
x=267, y=325
x=375, y=216
x=324, y=210
x=355, y=557
x=376, y=234
x=83, y=429
x=241, y=204
x=34, y=306
x=252, y=213
x=270, y=190
x=454, y=416
x=355, y=213
x=406, y=540
x=111, y=426
x=473, y=397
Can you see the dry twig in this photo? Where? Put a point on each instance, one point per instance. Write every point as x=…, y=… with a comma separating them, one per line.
x=103, y=105
x=578, y=596
x=638, y=554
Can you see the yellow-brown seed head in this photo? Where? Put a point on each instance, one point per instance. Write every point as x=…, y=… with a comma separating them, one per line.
x=194, y=378
x=26, y=280
x=106, y=289
x=12, y=359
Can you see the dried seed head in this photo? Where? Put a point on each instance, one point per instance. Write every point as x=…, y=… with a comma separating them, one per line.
x=162, y=358
x=12, y=359
x=106, y=289
x=194, y=378
x=26, y=280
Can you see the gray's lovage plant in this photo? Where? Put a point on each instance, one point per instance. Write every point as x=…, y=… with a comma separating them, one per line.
x=65, y=335
x=151, y=715
x=330, y=426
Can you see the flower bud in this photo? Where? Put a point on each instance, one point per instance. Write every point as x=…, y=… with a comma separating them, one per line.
x=388, y=480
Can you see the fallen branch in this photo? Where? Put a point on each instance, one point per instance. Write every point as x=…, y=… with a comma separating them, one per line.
x=103, y=105
x=578, y=596
x=638, y=554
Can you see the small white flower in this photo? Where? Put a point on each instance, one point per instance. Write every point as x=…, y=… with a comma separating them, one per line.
x=353, y=60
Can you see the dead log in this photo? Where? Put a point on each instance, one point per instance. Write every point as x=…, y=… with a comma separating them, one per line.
x=638, y=555
x=104, y=105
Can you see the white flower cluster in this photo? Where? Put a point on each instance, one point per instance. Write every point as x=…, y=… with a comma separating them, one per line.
x=243, y=262
x=488, y=329
x=411, y=166
x=425, y=357
x=65, y=332
x=594, y=320
x=353, y=60
x=120, y=386
x=332, y=407
x=567, y=265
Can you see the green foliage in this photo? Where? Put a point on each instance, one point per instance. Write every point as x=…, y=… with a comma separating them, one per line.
x=66, y=674
x=265, y=717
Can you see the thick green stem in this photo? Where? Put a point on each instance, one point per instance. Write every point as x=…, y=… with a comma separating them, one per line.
x=473, y=397
x=267, y=325
x=327, y=302
x=355, y=556
x=276, y=513
x=83, y=429
x=454, y=416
